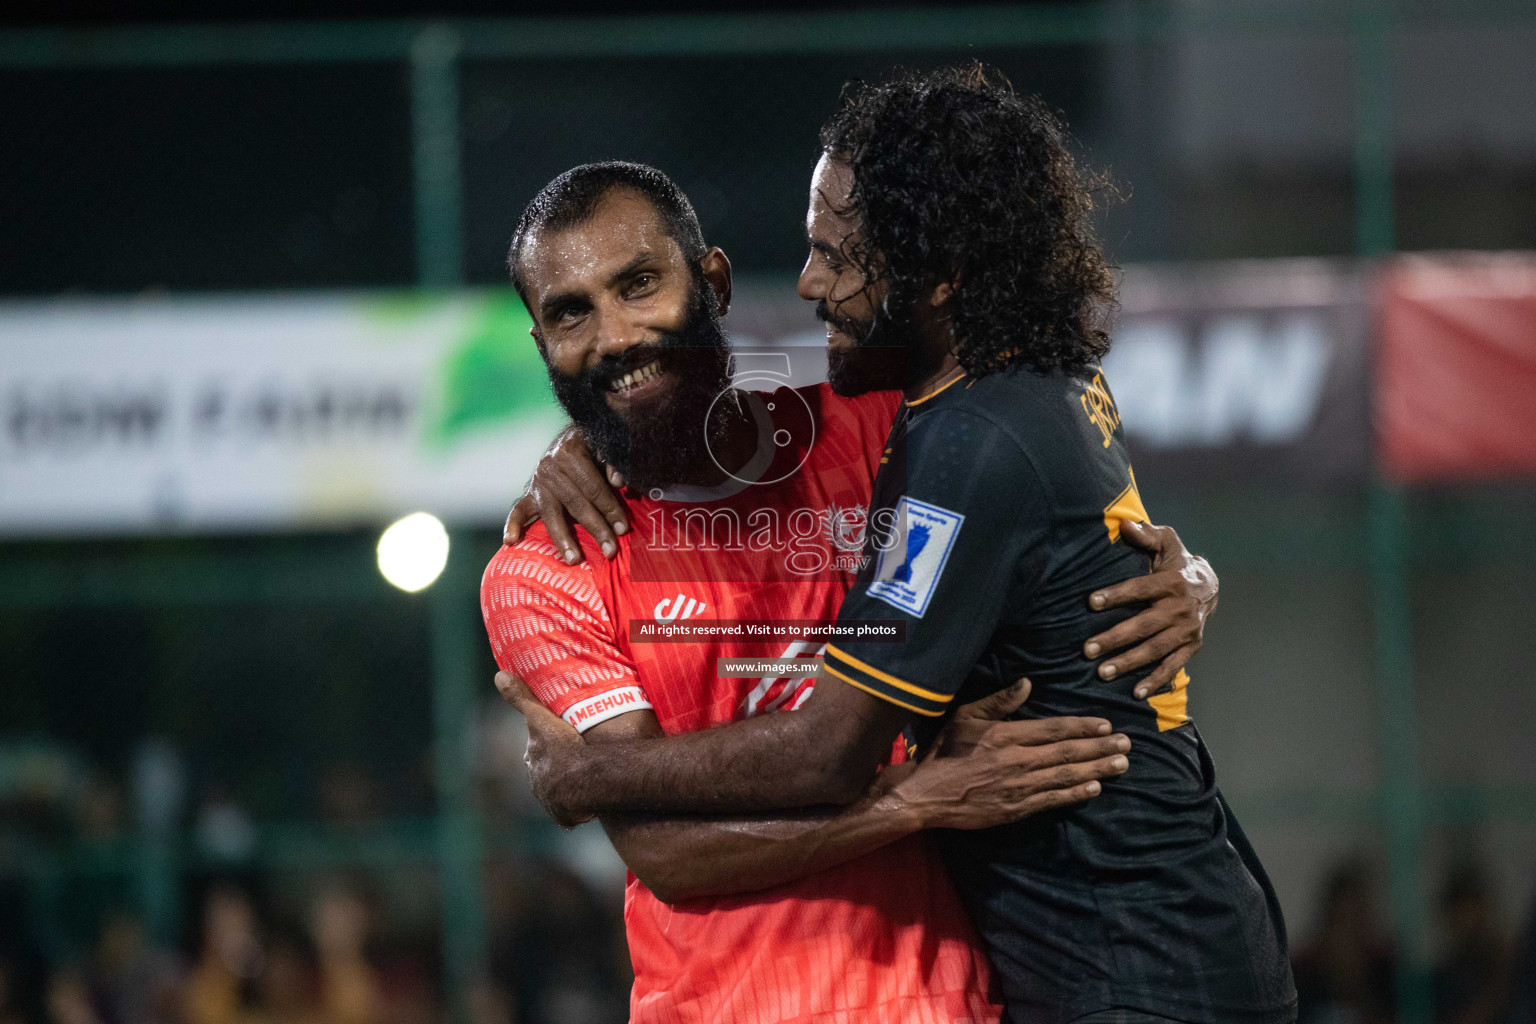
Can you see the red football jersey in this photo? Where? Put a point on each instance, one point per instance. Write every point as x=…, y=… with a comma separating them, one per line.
x=879, y=938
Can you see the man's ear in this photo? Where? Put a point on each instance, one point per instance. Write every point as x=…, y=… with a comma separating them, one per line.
x=942, y=293
x=717, y=271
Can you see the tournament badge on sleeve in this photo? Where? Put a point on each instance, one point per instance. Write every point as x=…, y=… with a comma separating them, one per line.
x=908, y=571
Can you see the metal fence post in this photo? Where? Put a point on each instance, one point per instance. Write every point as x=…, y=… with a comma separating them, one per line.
x=439, y=188
x=459, y=843
x=1401, y=790
x=434, y=68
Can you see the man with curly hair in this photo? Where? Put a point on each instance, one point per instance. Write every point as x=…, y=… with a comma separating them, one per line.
x=949, y=228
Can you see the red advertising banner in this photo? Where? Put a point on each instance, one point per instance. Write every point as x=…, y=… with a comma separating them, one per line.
x=1456, y=367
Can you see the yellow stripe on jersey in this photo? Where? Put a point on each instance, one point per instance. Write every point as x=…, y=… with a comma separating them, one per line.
x=886, y=677
x=1127, y=505
x=882, y=695
x=942, y=387
x=1172, y=707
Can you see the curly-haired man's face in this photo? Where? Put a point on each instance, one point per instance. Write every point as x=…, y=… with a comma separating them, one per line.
x=860, y=357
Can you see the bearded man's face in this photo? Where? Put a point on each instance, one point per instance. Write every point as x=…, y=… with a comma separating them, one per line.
x=865, y=355
x=867, y=348
x=630, y=331
x=662, y=437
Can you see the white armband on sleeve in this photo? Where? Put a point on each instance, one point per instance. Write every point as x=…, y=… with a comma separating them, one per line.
x=583, y=715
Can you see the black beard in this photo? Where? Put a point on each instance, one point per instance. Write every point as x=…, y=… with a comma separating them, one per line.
x=877, y=359
x=668, y=441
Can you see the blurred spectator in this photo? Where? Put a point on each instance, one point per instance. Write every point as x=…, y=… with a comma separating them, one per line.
x=502, y=773
x=159, y=785
x=224, y=830
x=340, y=925
x=554, y=955
x=1471, y=975
x=132, y=981
x=408, y=983
x=348, y=795
x=1344, y=974
x=507, y=908
x=1522, y=1004
x=40, y=784
x=488, y=1003
x=69, y=1000
x=221, y=986
x=101, y=814
x=287, y=987
x=11, y=1011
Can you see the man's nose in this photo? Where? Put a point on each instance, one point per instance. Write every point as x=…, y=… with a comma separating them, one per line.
x=616, y=333
x=810, y=287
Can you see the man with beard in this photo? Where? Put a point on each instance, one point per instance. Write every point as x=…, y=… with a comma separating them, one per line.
x=849, y=916
x=948, y=222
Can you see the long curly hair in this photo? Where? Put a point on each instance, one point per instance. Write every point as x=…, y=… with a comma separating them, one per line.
x=959, y=178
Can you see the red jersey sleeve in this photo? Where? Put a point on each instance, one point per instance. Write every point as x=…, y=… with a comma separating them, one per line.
x=548, y=626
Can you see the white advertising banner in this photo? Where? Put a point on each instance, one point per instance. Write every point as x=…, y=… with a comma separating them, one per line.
x=189, y=414
x=182, y=414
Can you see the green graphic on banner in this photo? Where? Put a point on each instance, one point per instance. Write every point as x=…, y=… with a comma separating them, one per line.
x=494, y=374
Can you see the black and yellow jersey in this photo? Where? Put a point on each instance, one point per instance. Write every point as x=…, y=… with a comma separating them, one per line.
x=997, y=513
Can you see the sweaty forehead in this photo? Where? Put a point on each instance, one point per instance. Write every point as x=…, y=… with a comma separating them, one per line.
x=828, y=217
x=586, y=255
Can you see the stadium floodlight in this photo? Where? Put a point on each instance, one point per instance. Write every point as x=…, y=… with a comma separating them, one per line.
x=413, y=551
